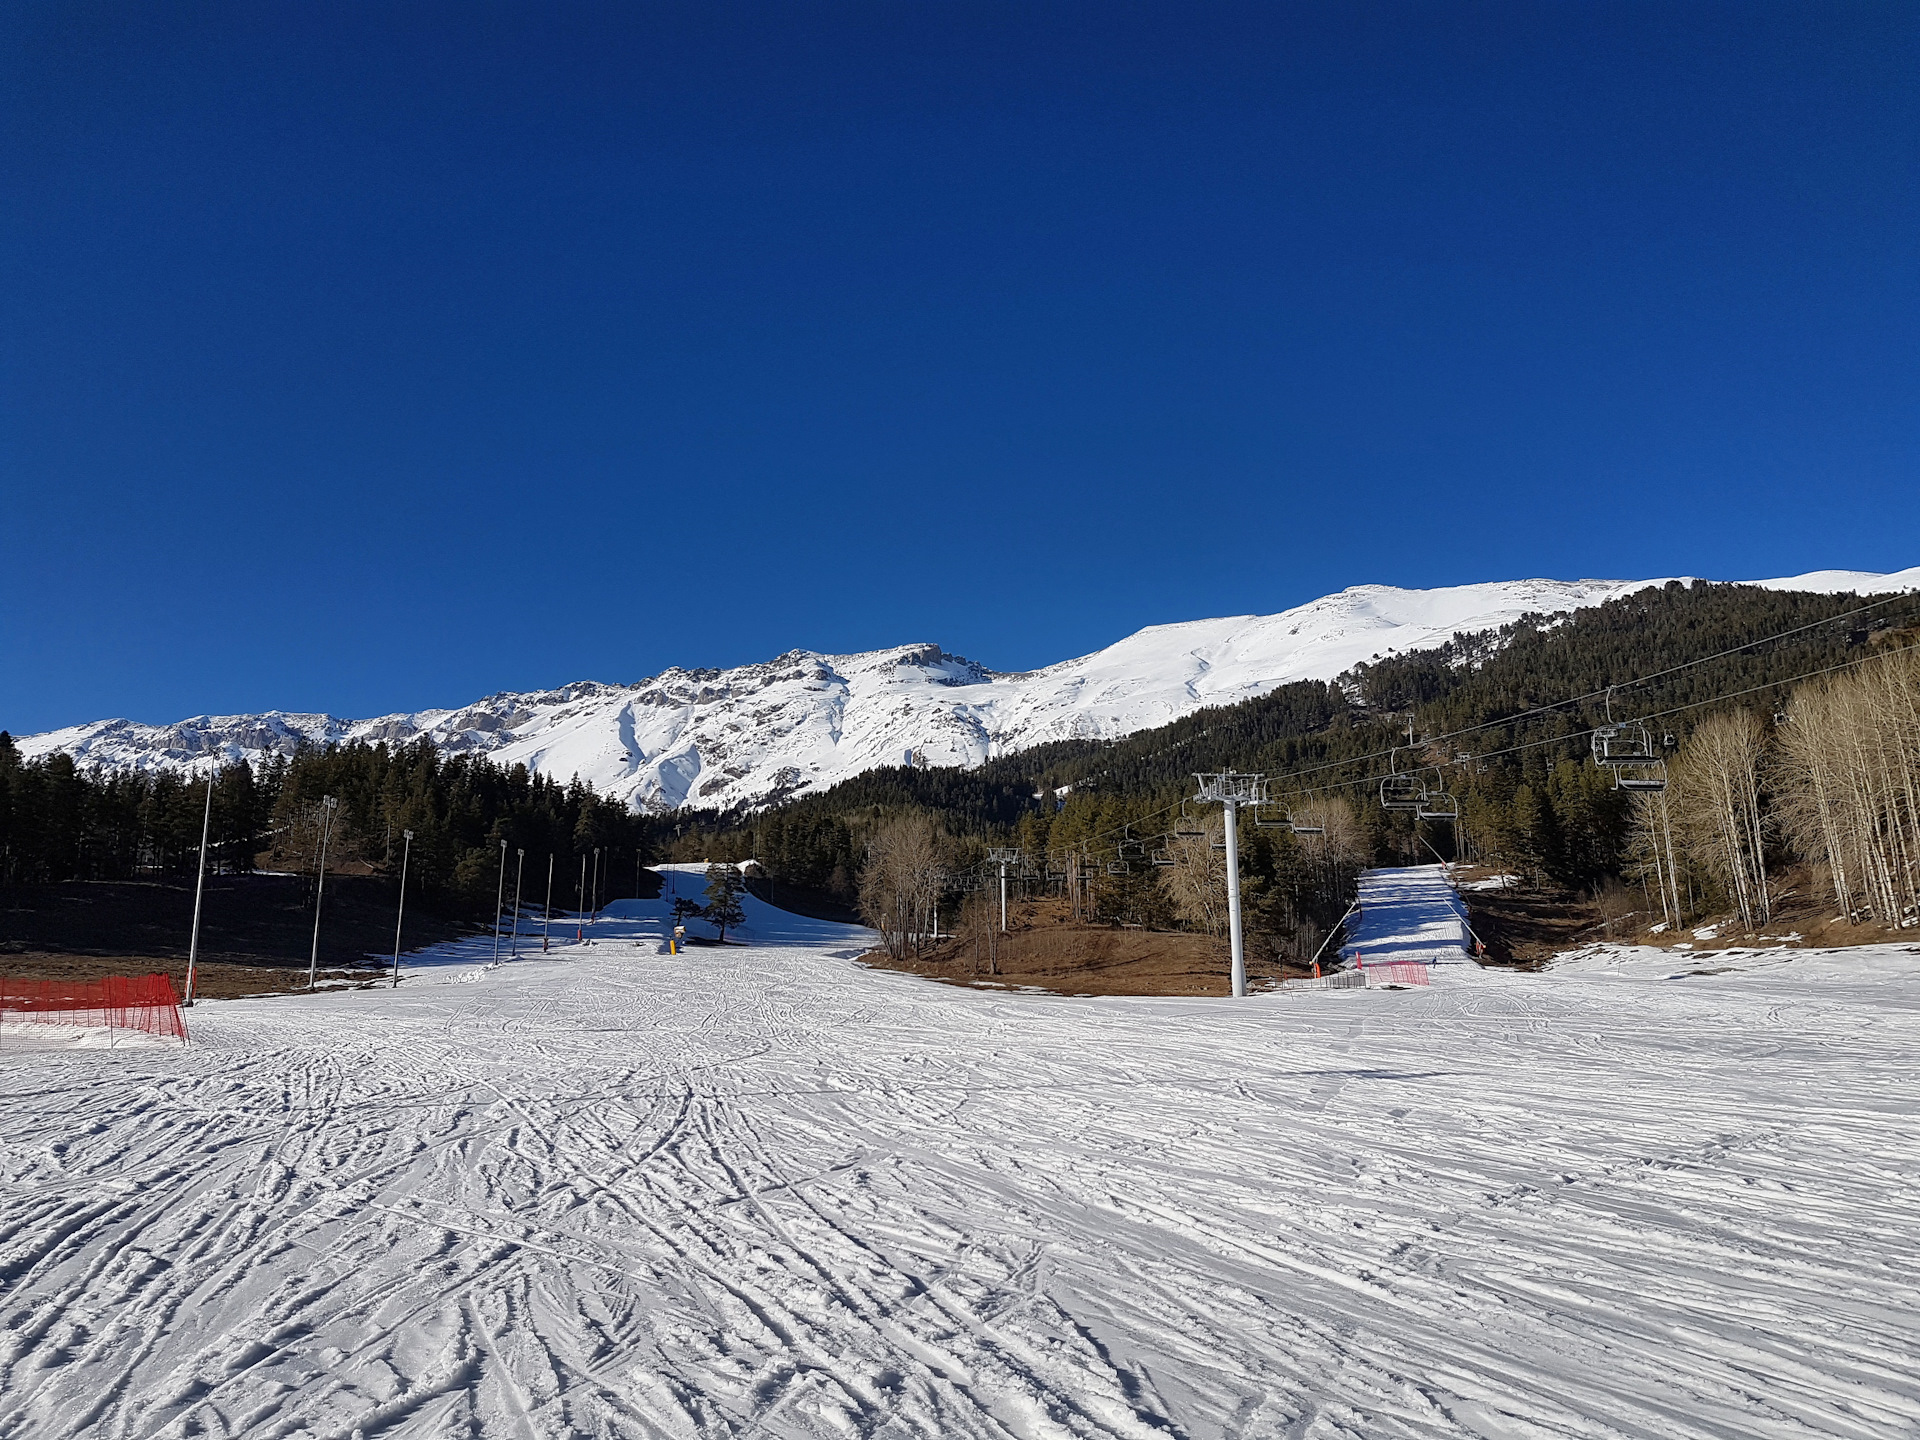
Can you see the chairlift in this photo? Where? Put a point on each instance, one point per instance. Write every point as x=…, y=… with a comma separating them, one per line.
x=1397, y=791
x=1626, y=743
x=1622, y=742
x=1162, y=859
x=1649, y=776
x=1305, y=826
x=1438, y=805
x=1400, y=792
x=1184, y=826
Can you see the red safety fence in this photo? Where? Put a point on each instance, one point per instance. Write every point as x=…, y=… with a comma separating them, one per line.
x=1401, y=972
x=124, y=1002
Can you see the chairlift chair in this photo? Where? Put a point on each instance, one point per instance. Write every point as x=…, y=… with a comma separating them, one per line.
x=1649, y=777
x=1625, y=743
x=1116, y=867
x=1184, y=827
x=1438, y=805
x=1162, y=859
x=1400, y=792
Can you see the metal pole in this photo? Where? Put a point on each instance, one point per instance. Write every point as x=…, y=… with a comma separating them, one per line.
x=400, y=919
x=1230, y=790
x=546, y=920
x=199, y=882
x=499, y=901
x=327, y=806
x=580, y=925
x=519, y=869
x=1002, y=856
x=595, y=892
x=1233, y=900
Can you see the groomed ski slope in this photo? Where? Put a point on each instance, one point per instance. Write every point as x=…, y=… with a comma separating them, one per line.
x=759, y=1191
x=1411, y=914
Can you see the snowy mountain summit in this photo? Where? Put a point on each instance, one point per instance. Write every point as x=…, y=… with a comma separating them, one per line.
x=759, y=733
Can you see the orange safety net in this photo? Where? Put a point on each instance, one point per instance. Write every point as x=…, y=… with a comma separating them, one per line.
x=127, y=1002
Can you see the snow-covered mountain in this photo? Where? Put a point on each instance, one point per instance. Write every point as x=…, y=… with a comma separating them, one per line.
x=803, y=721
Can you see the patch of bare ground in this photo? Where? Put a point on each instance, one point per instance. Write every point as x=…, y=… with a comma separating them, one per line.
x=1524, y=926
x=1803, y=918
x=211, y=982
x=1045, y=950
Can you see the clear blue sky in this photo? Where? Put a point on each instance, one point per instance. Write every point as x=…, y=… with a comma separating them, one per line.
x=366, y=358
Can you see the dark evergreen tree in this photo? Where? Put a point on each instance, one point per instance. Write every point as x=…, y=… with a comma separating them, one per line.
x=723, y=908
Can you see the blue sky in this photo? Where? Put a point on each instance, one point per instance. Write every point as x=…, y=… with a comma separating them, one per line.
x=366, y=358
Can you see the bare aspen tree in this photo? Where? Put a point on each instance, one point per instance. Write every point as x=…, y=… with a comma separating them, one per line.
x=1849, y=786
x=1716, y=791
x=900, y=883
x=1651, y=848
x=1196, y=882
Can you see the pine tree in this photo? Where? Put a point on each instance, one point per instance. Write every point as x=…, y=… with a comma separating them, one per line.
x=724, y=884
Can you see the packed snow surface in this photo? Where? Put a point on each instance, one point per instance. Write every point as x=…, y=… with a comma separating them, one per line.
x=1411, y=914
x=804, y=721
x=758, y=1190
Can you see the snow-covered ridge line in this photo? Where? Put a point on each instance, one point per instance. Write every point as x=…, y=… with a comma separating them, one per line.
x=804, y=721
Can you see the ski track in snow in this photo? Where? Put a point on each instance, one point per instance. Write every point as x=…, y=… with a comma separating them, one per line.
x=760, y=1192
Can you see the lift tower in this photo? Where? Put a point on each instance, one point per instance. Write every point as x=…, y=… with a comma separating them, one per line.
x=1230, y=790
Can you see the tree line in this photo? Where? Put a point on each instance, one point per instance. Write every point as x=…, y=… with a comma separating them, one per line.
x=59, y=822
x=1090, y=818
x=1832, y=779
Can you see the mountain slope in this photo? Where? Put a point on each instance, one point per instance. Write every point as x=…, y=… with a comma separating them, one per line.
x=803, y=721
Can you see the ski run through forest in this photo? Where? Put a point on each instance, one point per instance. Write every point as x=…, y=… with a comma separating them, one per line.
x=759, y=1190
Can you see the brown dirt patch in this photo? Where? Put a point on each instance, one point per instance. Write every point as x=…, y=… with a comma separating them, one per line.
x=1527, y=926
x=212, y=982
x=1046, y=951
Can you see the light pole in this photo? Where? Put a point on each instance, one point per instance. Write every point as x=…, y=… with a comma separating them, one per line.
x=499, y=901
x=327, y=806
x=519, y=870
x=1003, y=857
x=398, y=920
x=594, y=893
x=199, y=883
x=546, y=920
x=580, y=925
x=1230, y=791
